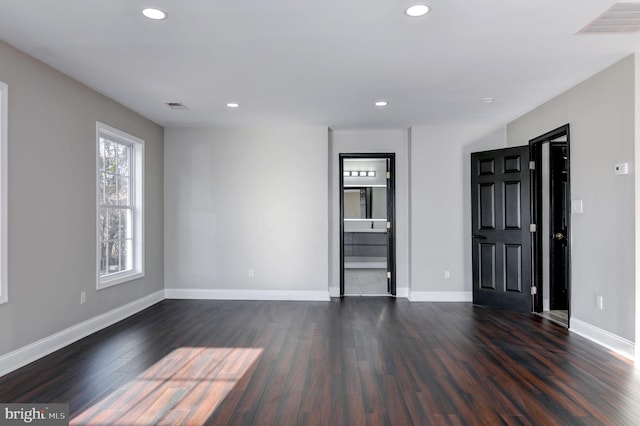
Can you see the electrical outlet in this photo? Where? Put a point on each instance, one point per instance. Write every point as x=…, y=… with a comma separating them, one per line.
x=447, y=275
x=252, y=273
x=621, y=169
x=83, y=297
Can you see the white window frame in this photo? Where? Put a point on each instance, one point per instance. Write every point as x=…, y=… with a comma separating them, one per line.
x=4, y=134
x=137, y=196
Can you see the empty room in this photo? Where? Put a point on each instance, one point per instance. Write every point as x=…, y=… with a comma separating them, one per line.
x=337, y=212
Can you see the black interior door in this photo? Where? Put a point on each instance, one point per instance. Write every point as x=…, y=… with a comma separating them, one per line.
x=391, y=222
x=501, y=248
x=559, y=211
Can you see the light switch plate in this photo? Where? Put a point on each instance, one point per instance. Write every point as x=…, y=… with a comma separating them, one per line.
x=576, y=206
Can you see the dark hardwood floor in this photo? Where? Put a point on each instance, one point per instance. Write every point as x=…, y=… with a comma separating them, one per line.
x=354, y=361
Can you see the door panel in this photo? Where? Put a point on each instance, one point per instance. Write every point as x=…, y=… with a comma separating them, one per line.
x=501, y=250
x=512, y=213
x=512, y=163
x=487, y=266
x=513, y=267
x=488, y=204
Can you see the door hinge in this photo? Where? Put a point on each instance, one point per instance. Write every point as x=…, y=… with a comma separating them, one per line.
x=388, y=175
x=388, y=225
x=534, y=290
x=389, y=275
x=532, y=227
x=532, y=165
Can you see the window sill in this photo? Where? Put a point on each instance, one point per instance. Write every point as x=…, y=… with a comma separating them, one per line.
x=116, y=279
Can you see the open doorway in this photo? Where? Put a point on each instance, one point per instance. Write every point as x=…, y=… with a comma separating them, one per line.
x=551, y=214
x=367, y=204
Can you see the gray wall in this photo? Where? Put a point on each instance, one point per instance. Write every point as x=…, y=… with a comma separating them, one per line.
x=370, y=141
x=601, y=114
x=51, y=201
x=237, y=199
x=240, y=199
x=440, y=197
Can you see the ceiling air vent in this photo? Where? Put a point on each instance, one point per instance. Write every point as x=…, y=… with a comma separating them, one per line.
x=176, y=105
x=620, y=18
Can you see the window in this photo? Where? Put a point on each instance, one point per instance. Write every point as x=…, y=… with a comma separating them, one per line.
x=120, y=163
x=3, y=193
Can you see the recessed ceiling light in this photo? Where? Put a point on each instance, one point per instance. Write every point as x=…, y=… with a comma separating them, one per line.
x=417, y=10
x=488, y=100
x=233, y=105
x=155, y=14
x=381, y=103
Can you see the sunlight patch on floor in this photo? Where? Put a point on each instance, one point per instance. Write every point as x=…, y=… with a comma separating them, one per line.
x=186, y=386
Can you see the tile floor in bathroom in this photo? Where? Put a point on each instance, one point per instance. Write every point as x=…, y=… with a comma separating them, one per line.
x=365, y=282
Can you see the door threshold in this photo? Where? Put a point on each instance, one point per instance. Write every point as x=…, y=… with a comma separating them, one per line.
x=557, y=317
x=365, y=265
x=367, y=295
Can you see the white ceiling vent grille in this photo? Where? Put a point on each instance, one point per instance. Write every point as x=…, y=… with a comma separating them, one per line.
x=176, y=105
x=620, y=18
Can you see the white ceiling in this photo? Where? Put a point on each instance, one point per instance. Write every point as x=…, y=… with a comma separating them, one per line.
x=319, y=62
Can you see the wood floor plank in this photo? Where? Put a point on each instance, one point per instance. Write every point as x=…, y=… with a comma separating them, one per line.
x=372, y=361
x=372, y=395
x=267, y=409
x=289, y=409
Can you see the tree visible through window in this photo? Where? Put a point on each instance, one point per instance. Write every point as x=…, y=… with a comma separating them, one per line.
x=119, y=206
x=116, y=209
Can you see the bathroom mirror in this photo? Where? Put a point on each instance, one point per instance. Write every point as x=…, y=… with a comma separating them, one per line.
x=365, y=203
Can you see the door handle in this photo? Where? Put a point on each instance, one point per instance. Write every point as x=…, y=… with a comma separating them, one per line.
x=480, y=237
x=559, y=236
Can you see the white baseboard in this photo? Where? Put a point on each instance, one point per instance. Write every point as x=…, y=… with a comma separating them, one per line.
x=440, y=296
x=43, y=347
x=206, y=294
x=604, y=338
x=402, y=292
